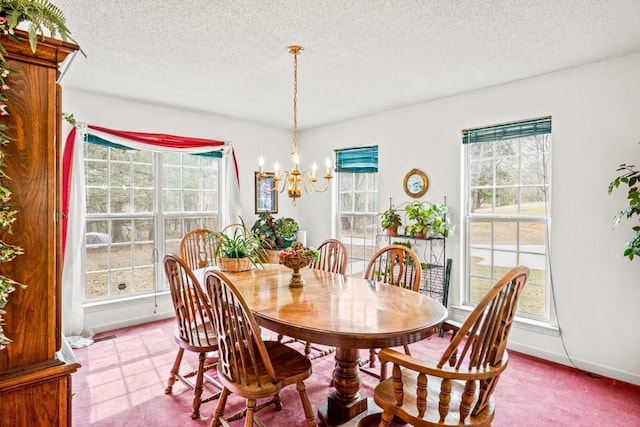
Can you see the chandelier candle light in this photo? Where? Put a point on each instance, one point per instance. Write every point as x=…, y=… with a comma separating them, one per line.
x=295, y=179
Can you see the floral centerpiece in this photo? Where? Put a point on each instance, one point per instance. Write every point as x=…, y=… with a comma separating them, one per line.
x=40, y=15
x=297, y=258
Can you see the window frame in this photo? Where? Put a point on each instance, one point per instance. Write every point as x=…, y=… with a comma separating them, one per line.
x=518, y=219
x=159, y=217
x=349, y=163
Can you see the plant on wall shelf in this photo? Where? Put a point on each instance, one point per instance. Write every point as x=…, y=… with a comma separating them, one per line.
x=39, y=15
x=429, y=218
x=390, y=220
x=630, y=176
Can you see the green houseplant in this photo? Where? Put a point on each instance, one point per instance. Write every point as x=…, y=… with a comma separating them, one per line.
x=237, y=248
x=275, y=233
x=420, y=213
x=390, y=220
x=429, y=218
x=40, y=15
x=630, y=176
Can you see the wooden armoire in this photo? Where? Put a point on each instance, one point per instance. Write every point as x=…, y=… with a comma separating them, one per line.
x=36, y=368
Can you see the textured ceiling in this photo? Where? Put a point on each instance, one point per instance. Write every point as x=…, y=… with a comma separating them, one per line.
x=361, y=56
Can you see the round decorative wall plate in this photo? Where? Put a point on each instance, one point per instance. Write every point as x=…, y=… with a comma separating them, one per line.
x=415, y=183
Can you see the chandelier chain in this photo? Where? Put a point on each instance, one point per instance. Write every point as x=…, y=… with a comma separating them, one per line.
x=294, y=146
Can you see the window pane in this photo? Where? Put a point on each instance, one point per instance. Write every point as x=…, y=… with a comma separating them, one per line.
x=120, y=200
x=141, y=156
x=96, y=200
x=507, y=171
x=143, y=175
x=505, y=234
x=209, y=200
x=143, y=200
x=346, y=182
x=532, y=234
x=478, y=287
x=172, y=177
x=532, y=300
x=93, y=151
x=360, y=202
x=480, y=233
x=190, y=178
x=346, y=202
x=506, y=201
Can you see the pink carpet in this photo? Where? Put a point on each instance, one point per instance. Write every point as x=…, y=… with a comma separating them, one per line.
x=123, y=377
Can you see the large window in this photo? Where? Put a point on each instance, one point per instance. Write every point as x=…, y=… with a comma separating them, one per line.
x=508, y=209
x=139, y=205
x=357, y=203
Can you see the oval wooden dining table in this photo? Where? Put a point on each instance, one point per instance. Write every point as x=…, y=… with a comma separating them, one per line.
x=345, y=312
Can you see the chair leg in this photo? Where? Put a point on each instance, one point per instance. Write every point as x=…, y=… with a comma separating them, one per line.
x=277, y=402
x=372, y=358
x=306, y=405
x=197, y=398
x=174, y=371
x=219, y=412
x=385, y=419
x=251, y=408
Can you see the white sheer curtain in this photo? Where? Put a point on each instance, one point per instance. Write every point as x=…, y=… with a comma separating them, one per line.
x=74, y=258
x=74, y=263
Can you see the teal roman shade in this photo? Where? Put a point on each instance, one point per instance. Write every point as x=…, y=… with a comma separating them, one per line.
x=507, y=131
x=92, y=139
x=357, y=160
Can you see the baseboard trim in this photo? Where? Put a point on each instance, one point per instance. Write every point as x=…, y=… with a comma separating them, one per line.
x=582, y=365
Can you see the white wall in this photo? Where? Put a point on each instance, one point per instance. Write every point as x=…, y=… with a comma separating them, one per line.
x=595, y=112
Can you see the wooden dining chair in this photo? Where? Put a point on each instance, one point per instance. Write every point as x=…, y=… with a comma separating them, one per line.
x=457, y=389
x=197, y=248
x=248, y=366
x=395, y=265
x=333, y=257
x=195, y=332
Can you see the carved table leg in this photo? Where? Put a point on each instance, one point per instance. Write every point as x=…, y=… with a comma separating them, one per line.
x=347, y=401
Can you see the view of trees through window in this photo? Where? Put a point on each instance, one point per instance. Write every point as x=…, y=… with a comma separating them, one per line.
x=508, y=190
x=357, y=223
x=139, y=204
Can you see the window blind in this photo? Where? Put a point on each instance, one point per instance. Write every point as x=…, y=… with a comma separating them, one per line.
x=358, y=159
x=512, y=130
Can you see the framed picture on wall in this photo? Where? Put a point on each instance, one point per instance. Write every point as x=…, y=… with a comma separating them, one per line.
x=266, y=193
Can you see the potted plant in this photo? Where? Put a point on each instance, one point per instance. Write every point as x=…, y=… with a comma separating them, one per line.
x=421, y=214
x=390, y=220
x=275, y=234
x=440, y=220
x=237, y=248
x=287, y=230
x=630, y=176
x=430, y=218
x=265, y=229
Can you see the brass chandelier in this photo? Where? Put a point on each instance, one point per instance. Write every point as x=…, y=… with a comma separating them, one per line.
x=295, y=179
